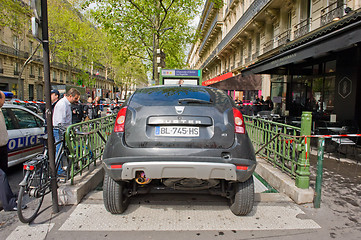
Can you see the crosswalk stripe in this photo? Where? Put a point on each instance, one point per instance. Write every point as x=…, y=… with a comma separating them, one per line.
x=183, y=217
x=31, y=232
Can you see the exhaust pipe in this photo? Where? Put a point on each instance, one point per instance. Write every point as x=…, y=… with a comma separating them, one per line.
x=141, y=179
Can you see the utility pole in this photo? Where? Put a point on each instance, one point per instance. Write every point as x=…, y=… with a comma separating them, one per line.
x=40, y=32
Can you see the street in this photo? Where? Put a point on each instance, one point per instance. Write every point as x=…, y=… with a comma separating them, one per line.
x=182, y=216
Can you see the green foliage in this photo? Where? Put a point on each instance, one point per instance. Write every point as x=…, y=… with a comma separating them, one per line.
x=14, y=14
x=132, y=24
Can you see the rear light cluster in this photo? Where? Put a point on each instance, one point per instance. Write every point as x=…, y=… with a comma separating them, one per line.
x=28, y=167
x=120, y=120
x=239, y=126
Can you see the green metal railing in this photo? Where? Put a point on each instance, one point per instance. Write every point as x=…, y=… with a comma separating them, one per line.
x=283, y=145
x=86, y=141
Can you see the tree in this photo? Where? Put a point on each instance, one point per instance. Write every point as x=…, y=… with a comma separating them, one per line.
x=139, y=26
x=14, y=14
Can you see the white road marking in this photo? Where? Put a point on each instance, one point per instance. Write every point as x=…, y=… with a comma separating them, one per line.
x=30, y=232
x=149, y=217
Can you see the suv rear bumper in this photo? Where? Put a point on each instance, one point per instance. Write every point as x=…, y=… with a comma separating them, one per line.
x=180, y=169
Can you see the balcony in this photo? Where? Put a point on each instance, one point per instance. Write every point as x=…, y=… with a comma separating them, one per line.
x=255, y=55
x=12, y=51
x=332, y=12
x=216, y=25
x=40, y=78
x=284, y=37
x=32, y=76
x=268, y=46
x=302, y=28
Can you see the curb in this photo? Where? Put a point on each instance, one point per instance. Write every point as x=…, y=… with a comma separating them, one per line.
x=283, y=183
x=83, y=184
x=72, y=194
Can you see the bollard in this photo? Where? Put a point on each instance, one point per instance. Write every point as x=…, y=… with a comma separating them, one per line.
x=303, y=164
x=320, y=151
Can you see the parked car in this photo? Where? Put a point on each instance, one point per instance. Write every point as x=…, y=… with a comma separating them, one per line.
x=24, y=128
x=183, y=139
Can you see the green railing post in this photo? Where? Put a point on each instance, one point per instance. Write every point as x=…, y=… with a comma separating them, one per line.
x=321, y=144
x=303, y=164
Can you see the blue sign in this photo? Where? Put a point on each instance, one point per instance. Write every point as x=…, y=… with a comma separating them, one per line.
x=187, y=73
x=184, y=73
x=23, y=142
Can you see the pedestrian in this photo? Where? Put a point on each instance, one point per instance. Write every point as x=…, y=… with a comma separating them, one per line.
x=268, y=104
x=256, y=105
x=88, y=110
x=54, y=98
x=115, y=106
x=77, y=112
x=62, y=117
x=96, y=107
x=7, y=197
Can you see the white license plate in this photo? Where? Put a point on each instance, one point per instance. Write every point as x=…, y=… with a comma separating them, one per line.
x=177, y=131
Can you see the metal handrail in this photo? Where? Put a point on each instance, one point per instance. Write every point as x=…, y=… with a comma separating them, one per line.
x=86, y=142
x=280, y=144
x=302, y=28
x=331, y=12
x=284, y=37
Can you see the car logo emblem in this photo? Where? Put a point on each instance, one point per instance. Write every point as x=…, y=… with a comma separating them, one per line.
x=179, y=109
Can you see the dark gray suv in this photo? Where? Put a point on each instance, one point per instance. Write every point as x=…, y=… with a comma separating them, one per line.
x=179, y=139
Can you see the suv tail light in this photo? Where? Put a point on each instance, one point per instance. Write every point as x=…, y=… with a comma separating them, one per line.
x=120, y=120
x=239, y=126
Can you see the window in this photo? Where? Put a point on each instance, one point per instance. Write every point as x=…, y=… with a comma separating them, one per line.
x=8, y=120
x=16, y=42
x=16, y=68
x=54, y=76
x=169, y=96
x=31, y=92
x=31, y=71
x=1, y=66
x=26, y=119
x=30, y=47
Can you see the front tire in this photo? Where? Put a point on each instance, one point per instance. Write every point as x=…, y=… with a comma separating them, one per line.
x=243, y=199
x=29, y=205
x=115, y=196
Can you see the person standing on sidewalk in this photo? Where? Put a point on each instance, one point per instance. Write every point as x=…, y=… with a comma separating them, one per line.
x=7, y=197
x=62, y=117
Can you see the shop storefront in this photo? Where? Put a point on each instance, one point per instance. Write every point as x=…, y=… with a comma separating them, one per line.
x=320, y=73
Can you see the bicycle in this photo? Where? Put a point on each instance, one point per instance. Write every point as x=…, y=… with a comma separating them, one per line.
x=37, y=181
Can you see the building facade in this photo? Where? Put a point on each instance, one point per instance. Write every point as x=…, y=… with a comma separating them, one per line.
x=16, y=49
x=305, y=54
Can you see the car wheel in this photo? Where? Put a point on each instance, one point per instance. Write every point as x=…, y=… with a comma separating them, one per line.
x=243, y=199
x=115, y=196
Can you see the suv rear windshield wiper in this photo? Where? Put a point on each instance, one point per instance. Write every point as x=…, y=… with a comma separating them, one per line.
x=194, y=100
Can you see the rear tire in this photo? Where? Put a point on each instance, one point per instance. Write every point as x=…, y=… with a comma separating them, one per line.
x=243, y=199
x=115, y=196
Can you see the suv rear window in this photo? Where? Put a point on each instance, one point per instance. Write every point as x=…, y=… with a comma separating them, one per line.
x=169, y=96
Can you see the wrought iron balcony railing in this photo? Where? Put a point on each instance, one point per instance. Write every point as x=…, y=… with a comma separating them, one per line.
x=332, y=12
x=284, y=37
x=255, y=55
x=268, y=46
x=302, y=28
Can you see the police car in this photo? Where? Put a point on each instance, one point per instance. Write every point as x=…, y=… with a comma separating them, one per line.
x=24, y=128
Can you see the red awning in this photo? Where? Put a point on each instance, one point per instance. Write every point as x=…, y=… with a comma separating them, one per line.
x=217, y=79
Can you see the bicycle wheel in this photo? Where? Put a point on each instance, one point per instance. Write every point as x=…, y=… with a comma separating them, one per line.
x=31, y=196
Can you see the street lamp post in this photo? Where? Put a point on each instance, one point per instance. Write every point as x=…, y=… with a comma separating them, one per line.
x=155, y=47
